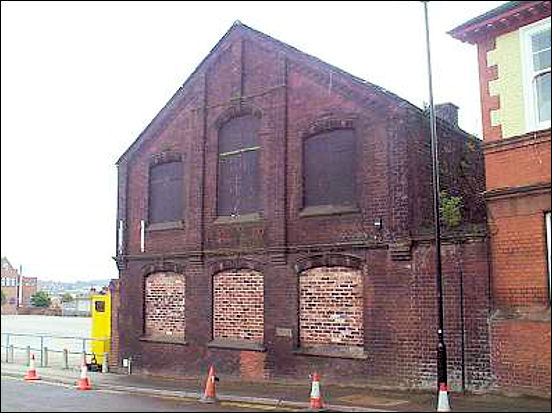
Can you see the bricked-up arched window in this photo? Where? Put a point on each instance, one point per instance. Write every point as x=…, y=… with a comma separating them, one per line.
x=166, y=192
x=165, y=305
x=329, y=169
x=239, y=167
x=331, y=308
x=238, y=305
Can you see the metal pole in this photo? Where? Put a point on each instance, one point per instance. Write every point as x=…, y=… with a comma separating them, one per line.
x=41, y=351
x=65, y=358
x=441, y=349
x=7, y=345
x=12, y=357
x=45, y=356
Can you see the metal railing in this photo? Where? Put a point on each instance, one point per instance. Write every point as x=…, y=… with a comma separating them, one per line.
x=72, y=351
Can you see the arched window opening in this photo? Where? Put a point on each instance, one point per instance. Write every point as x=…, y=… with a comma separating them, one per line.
x=238, y=167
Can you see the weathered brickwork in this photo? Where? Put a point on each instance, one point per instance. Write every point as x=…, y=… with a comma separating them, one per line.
x=521, y=355
x=238, y=305
x=331, y=307
x=383, y=272
x=165, y=303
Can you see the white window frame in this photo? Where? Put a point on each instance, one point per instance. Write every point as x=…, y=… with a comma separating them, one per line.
x=548, y=224
x=530, y=97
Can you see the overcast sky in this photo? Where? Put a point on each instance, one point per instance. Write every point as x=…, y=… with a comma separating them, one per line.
x=80, y=81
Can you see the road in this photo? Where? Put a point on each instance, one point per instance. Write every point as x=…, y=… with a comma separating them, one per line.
x=20, y=396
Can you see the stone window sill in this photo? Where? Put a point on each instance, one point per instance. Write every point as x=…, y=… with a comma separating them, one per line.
x=239, y=219
x=161, y=226
x=321, y=210
x=164, y=340
x=333, y=351
x=236, y=344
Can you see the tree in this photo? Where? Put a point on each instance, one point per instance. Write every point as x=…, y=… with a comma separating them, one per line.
x=41, y=299
x=3, y=297
x=66, y=298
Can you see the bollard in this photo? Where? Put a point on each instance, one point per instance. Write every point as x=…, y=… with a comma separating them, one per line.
x=65, y=358
x=12, y=357
x=105, y=368
x=45, y=356
x=28, y=355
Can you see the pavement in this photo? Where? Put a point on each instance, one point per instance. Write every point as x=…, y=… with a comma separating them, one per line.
x=287, y=395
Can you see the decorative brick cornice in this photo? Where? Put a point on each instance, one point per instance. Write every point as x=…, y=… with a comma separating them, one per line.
x=518, y=190
x=527, y=139
x=503, y=19
x=328, y=260
x=401, y=251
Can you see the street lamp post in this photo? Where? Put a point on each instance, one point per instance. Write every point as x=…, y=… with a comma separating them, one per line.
x=441, y=349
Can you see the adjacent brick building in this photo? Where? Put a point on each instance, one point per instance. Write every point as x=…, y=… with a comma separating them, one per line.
x=17, y=289
x=275, y=218
x=513, y=44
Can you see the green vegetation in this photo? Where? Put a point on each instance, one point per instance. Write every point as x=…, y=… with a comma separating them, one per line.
x=3, y=298
x=41, y=299
x=451, y=209
x=66, y=298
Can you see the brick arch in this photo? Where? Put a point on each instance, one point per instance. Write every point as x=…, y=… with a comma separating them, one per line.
x=236, y=111
x=235, y=264
x=328, y=121
x=167, y=266
x=328, y=260
x=164, y=157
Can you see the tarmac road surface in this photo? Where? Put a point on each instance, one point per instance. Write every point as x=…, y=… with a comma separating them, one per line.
x=20, y=396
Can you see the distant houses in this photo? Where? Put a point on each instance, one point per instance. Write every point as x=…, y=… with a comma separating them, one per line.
x=16, y=288
x=18, y=300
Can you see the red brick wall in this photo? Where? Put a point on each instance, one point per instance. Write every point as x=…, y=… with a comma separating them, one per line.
x=165, y=304
x=521, y=355
x=238, y=305
x=518, y=250
x=524, y=160
x=331, y=307
x=114, y=360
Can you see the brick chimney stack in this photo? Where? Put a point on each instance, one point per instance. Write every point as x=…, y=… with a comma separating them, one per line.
x=447, y=112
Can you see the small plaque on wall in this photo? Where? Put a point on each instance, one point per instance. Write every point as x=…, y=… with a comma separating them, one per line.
x=283, y=332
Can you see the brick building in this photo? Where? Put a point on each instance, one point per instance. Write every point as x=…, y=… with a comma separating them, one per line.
x=513, y=43
x=17, y=289
x=275, y=218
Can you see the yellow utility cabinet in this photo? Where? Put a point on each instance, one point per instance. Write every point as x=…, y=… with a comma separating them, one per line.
x=101, y=325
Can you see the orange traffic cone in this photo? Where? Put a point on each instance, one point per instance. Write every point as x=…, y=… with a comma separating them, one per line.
x=443, y=402
x=315, y=396
x=31, y=373
x=210, y=395
x=83, y=383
